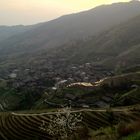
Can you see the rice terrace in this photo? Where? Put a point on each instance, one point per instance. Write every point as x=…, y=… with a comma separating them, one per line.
x=70, y=70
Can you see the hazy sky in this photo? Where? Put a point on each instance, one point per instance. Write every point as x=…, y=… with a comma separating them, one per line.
x=14, y=12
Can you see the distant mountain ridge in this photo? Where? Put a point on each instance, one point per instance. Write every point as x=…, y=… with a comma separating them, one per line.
x=8, y=31
x=72, y=27
x=119, y=45
x=105, y=35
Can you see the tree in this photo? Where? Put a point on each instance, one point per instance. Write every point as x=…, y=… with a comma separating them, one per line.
x=62, y=124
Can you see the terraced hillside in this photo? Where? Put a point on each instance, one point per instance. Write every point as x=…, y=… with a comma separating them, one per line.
x=120, y=90
x=17, y=126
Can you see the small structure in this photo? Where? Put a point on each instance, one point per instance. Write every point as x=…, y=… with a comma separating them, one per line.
x=61, y=83
x=85, y=106
x=54, y=88
x=134, y=86
x=13, y=75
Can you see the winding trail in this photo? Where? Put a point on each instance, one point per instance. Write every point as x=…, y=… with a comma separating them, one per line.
x=76, y=111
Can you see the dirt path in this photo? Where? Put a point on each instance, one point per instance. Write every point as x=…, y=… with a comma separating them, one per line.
x=76, y=111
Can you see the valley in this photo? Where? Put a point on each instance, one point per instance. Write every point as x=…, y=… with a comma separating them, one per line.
x=76, y=77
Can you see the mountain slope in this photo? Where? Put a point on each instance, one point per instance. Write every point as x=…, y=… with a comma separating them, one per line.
x=72, y=27
x=9, y=31
x=119, y=44
x=113, y=48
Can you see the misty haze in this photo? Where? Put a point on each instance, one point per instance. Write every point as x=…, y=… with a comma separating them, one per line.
x=70, y=70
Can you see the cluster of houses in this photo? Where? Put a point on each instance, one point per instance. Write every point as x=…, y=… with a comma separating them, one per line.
x=60, y=76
